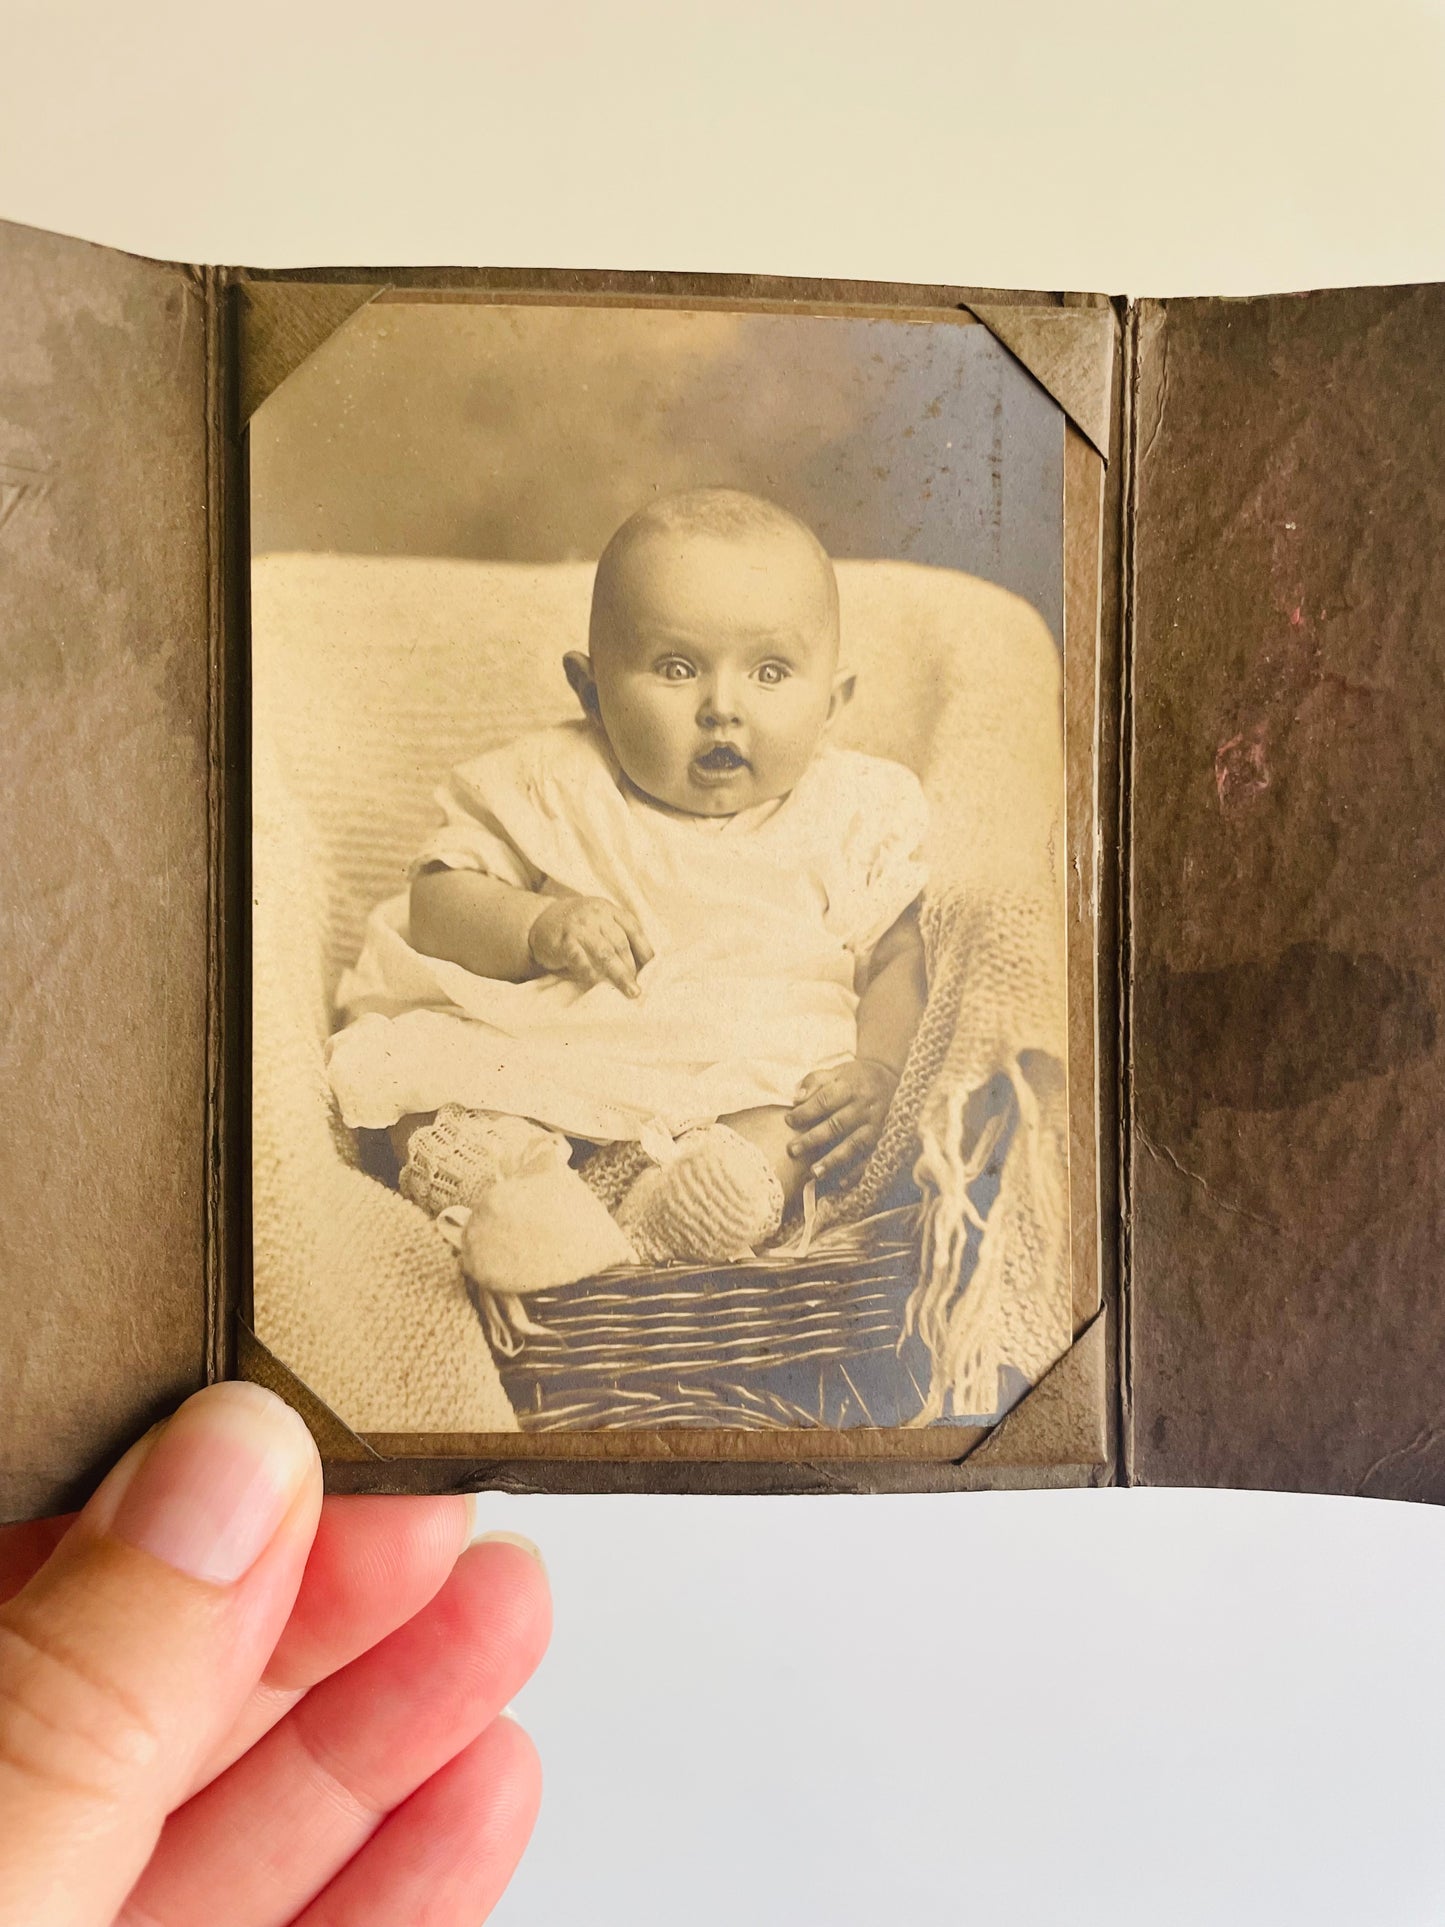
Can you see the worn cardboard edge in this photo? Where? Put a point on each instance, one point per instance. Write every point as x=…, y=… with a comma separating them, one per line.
x=287, y=314
x=1111, y=859
x=220, y=978
x=229, y=806
x=666, y=284
x=1084, y=483
x=1069, y=351
x=1059, y=1429
x=1124, y=949
x=533, y=1478
x=581, y=1477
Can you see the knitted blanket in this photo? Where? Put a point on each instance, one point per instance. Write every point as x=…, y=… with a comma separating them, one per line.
x=363, y=695
x=353, y=1288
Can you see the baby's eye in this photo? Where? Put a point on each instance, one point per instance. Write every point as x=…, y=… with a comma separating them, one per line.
x=772, y=673
x=675, y=669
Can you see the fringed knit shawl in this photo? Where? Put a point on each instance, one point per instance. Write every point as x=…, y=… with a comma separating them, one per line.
x=982, y=1107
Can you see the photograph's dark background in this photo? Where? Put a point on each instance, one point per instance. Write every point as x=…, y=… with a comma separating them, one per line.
x=519, y=433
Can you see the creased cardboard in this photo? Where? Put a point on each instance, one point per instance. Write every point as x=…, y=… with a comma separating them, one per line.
x=1288, y=894
x=104, y=862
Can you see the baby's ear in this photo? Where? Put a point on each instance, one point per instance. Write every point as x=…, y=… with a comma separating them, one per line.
x=584, y=683
x=844, y=683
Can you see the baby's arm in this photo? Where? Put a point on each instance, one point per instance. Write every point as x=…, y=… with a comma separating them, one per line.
x=840, y=1115
x=476, y=921
x=495, y=929
x=891, y=1006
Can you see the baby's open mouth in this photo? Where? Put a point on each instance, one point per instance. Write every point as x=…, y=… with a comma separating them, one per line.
x=721, y=758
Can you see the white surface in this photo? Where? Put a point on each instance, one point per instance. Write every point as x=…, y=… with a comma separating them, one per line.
x=1133, y=1708
x=1133, y=146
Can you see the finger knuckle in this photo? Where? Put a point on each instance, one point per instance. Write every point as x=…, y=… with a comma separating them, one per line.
x=64, y=1722
x=334, y=1781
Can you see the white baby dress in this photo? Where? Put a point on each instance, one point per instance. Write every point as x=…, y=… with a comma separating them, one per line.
x=757, y=922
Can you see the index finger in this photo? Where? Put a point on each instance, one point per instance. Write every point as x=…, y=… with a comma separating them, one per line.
x=373, y=1565
x=616, y=966
x=641, y=948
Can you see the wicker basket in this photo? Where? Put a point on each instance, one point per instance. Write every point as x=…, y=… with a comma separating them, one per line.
x=775, y=1344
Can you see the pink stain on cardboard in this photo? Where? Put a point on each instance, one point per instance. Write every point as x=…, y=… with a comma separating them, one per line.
x=1241, y=767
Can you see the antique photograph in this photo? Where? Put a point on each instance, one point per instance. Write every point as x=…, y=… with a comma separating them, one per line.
x=659, y=992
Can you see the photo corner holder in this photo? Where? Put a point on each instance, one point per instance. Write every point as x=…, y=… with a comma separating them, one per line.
x=282, y=323
x=1070, y=351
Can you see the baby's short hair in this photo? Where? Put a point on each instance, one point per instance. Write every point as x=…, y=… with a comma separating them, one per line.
x=726, y=512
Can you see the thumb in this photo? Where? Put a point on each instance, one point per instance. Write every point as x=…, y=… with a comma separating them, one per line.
x=133, y=1649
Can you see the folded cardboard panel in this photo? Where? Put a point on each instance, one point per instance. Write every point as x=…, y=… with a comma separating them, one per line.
x=1268, y=573
x=1287, y=1181
x=104, y=855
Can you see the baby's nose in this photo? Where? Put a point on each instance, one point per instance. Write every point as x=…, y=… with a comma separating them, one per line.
x=720, y=704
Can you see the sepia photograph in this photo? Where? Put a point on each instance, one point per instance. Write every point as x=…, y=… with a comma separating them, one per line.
x=660, y=1015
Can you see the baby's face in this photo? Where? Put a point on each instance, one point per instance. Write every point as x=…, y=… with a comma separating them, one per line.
x=716, y=674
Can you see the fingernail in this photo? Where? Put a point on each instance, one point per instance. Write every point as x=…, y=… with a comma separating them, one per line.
x=513, y=1539
x=215, y=1487
x=795, y=1150
x=816, y=1171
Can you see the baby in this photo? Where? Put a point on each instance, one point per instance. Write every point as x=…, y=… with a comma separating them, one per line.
x=675, y=942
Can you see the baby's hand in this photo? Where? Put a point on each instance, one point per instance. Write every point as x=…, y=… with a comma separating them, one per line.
x=590, y=941
x=840, y=1113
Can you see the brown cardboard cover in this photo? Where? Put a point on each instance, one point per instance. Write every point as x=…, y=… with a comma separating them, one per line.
x=1274, y=613
x=1287, y=1187
x=104, y=566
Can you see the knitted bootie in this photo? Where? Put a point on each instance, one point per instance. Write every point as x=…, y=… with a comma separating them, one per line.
x=611, y=1170
x=461, y=1154
x=538, y=1230
x=713, y=1201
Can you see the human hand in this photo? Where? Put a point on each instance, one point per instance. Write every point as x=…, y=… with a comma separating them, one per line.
x=840, y=1113
x=222, y=1700
x=590, y=941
